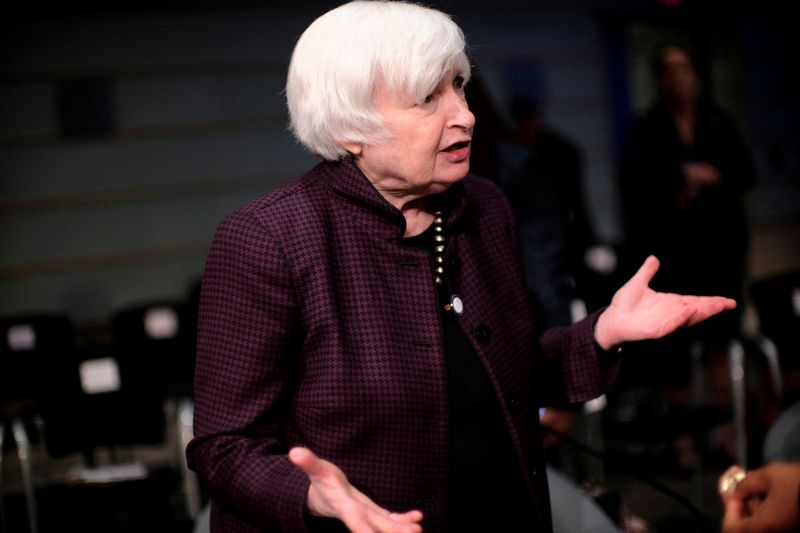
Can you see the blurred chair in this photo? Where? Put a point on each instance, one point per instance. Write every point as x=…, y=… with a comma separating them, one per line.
x=765, y=367
x=160, y=337
x=38, y=381
x=117, y=413
x=122, y=405
x=776, y=300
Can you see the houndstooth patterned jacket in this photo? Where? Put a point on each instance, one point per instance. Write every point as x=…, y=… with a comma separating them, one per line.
x=318, y=328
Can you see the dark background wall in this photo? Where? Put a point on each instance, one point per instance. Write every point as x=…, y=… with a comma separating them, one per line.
x=127, y=133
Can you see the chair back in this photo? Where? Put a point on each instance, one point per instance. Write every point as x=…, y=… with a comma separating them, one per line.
x=39, y=378
x=777, y=303
x=776, y=300
x=154, y=340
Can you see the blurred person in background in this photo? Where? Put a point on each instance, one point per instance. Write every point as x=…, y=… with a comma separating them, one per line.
x=542, y=174
x=683, y=175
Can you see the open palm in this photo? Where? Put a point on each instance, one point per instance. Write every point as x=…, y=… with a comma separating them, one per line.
x=637, y=312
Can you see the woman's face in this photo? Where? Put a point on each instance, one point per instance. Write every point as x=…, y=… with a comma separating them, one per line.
x=428, y=146
x=677, y=79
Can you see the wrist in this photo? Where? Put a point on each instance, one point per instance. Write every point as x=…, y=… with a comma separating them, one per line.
x=602, y=334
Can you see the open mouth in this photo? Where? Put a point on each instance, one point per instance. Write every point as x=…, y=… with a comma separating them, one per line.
x=457, y=146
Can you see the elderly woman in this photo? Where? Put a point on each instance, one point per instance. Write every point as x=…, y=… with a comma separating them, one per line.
x=367, y=355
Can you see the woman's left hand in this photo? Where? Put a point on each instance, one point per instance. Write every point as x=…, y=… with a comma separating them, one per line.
x=637, y=312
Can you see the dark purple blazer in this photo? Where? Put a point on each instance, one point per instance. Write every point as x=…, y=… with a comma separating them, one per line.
x=318, y=328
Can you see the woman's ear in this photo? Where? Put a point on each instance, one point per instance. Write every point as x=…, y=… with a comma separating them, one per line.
x=353, y=148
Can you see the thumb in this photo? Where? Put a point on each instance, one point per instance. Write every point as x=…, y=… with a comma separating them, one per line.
x=734, y=514
x=647, y=271
x=306, y=460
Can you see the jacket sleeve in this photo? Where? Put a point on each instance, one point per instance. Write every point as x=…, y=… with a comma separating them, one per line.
x=577, y=369
x=573, y=367
x=245, y=373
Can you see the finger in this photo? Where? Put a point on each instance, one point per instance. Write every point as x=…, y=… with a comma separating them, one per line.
x=709, y=306
x=357, y=523
x=703, y=312
x=307, y=461
x=410, y=516
x=709, y=301
x=646, y=272
x=374, y=510
x=389, y=524
x=734, y=514
x=755, y=483
x=682, y=317
x=369, y=517
x=686, y=316
x=717, y=302
x=752, y=505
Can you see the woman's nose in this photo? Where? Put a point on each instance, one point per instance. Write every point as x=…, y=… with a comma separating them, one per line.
x=461, y=116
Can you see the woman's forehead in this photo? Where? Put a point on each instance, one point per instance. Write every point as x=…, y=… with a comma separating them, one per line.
x=414, y=87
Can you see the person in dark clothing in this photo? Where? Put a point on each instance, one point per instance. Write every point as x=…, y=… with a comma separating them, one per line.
x=683, y=174
x=682, y=178
x=541, y=172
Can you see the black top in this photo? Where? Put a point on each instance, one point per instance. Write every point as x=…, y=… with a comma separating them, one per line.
x=486, y=490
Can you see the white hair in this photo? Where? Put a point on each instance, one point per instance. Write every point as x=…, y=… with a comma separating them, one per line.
x=343, y=55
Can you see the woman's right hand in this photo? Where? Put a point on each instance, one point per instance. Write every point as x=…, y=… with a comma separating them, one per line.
x=332, y=495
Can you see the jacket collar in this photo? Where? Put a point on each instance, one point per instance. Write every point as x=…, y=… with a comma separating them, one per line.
x=349, y=183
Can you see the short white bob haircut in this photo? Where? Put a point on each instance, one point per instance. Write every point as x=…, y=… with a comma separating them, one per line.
x=342, y=57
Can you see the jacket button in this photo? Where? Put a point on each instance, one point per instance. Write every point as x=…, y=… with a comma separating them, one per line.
x=483, y=334
x=535, y=472
x=514, y=404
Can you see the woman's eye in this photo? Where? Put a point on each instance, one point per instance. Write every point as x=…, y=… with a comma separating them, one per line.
x=458, y=82
x=428, y=99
